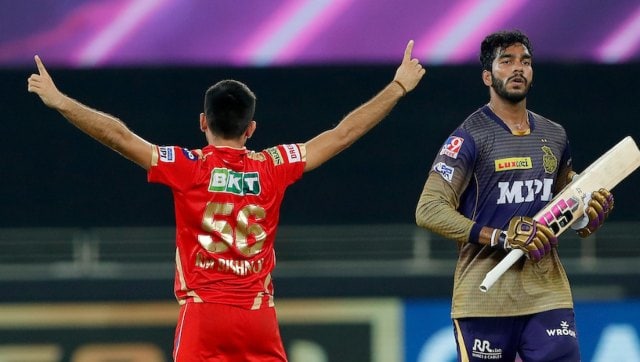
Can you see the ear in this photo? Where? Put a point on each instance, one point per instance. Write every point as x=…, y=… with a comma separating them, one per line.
x=203, y=123
x=487, y=78
x=250, y=129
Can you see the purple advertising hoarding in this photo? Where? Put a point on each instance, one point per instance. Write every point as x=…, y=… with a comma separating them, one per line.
x=88, y=33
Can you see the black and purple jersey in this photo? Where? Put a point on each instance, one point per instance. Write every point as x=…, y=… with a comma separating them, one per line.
x=483, y=175
x=500, y=175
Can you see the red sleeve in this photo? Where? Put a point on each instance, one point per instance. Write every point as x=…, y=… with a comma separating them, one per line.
x=288, y=160
x=173, y=166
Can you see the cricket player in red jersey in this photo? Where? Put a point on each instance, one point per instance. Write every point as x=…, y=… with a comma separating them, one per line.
x=227, y=203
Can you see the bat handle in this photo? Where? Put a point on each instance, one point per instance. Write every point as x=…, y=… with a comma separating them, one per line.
x=499, y=269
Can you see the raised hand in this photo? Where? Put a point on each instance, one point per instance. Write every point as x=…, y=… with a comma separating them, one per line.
x=42, y=85
x=526, y=234
x=410, y=70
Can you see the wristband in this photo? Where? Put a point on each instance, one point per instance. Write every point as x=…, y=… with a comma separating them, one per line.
x=502, y=241
x=494, y=241
x=404, y=90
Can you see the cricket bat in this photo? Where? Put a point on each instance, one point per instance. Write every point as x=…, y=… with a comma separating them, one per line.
x=569, y=205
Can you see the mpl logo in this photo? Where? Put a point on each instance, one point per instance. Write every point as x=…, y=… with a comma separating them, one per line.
x=482, y=349
x=239, y=183
x=517, y=192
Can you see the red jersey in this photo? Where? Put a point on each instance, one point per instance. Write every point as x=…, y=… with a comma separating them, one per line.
x=227, y=205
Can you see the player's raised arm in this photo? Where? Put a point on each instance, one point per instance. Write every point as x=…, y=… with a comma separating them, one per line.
x=105, y=128
x=329, y=143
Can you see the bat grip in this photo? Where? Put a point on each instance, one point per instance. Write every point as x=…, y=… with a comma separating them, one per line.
x=499, y=269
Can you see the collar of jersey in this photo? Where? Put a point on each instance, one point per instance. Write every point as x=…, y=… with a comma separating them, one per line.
x=227, y=149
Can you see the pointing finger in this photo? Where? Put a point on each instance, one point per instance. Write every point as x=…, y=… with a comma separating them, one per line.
x=408, y=50
x=41, y=69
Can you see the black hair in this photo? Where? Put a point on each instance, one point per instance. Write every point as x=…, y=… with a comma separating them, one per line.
x=501, y=40
x=229, y=106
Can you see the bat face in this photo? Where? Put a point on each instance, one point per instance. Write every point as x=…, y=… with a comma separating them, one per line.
x=568, y=206
x=607, y=171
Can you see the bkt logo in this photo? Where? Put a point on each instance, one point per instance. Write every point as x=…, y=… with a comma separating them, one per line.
x=517, y=192
x=239, y=183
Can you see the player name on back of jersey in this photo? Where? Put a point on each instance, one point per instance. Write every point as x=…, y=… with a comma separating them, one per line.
x=240, y=267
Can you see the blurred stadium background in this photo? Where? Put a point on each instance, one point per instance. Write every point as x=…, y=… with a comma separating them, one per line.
x=87, y=245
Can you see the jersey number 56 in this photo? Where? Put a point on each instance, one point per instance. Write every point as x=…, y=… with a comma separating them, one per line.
x=216, y=221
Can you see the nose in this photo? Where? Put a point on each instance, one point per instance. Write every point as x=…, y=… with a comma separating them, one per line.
x=518, y=68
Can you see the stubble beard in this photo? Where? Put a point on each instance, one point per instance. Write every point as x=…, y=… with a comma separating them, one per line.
x=500, y=88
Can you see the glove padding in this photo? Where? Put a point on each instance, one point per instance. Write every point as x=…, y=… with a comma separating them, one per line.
x=598, y=209
x=533, y=238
